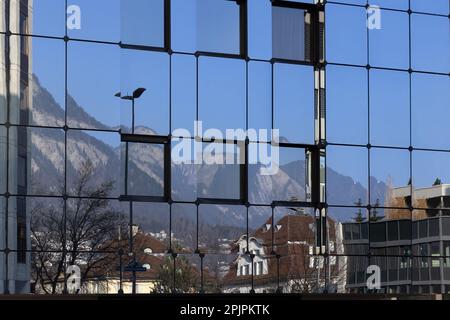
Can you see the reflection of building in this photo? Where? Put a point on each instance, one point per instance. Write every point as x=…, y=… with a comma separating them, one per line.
x=104, y=276
x=16, y=101
x=416, y=241
x=295, y=269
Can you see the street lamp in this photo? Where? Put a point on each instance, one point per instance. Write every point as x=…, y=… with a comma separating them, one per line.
x=136, y=95
x=133, y=266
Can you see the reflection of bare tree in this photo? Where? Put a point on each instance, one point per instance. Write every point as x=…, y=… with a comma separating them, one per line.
x=73, y=238
x=187, y=278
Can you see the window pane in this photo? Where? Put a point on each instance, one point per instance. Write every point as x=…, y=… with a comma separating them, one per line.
x=430, y=35
x=220, y=226
x=285, y=182
x=222, y=99
x=183, y=94
x=346, y=34
x=92, y=164
x=42, y=83
x=389, y=170
x=45, y=162
x=219, y=174
x=152, y=219
x=347, y=176
x=347, y=105
x=294, y=102
x=206, y=25
x=260, y=97
x=145, y=169
x=430, y=96
x=259, y=27
x=99, y=20
x=438, y=6
x=393, y=34
x=48, y=16
x=288, y=33
x=389, y=108
x=428, y=167
x=218, y=26
x=148, y=70
x=139, y=15
x=93, y=80
x=184, y=228
x=396, y=4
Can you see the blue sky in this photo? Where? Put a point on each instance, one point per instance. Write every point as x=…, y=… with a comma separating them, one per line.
x=96, y=72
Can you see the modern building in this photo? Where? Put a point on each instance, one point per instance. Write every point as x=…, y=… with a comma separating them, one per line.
x=91, y=97
x=16, y=87
x=412, y=248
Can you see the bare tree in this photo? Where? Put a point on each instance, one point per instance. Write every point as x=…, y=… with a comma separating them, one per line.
x=80, y=235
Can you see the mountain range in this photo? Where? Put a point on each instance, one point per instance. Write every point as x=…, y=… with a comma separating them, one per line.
x=146, y=172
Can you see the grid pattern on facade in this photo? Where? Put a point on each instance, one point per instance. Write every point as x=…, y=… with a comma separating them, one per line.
x=100, y=191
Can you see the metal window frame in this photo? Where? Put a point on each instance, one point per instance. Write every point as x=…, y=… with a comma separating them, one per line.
x=243, y=36
x=316, y=52
x=149, y=140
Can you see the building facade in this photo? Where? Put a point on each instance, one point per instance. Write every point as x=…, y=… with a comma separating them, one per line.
x=332, y=107
x=412, y=251
x=16, y=99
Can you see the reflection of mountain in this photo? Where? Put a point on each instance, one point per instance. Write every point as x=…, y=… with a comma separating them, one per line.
x=146, y=167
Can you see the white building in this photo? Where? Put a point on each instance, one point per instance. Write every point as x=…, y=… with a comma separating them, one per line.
x=15, y=104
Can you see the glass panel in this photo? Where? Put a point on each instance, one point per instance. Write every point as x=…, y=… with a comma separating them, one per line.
x=260, y=98
x=396, y=4
x=220, y=274
x=259, y=26
x=43, y=164
x=183, y=94
x=184, y=228
x=99, y=20
x=220, y=226
x=48, y=18
x=439, y=6
x=92, y=162
x=222, y=101
x=346, y=34
x=47, y=83
x=205, y=25
x=151, y=220
x=389, y=108
x=218, y=176
x=430, y=35
x=390, y=175
x=430, y=111
x=3, y=159
x=148, y=70
x=93, y=80
x=346, y=177
x=184, y=169
x=139, y=15
x=288, y=34
x=393, y=34
x=294, y=102
x=431, y=177
x=347, y=105
x=47, y=241
x=145, y=169
x=218, y=26
x=272, y=179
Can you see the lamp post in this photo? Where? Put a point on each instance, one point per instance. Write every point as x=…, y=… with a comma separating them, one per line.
x=136, y=95
x=134, y=266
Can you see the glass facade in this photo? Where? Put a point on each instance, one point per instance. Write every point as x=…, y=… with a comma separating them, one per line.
x=217, y=146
